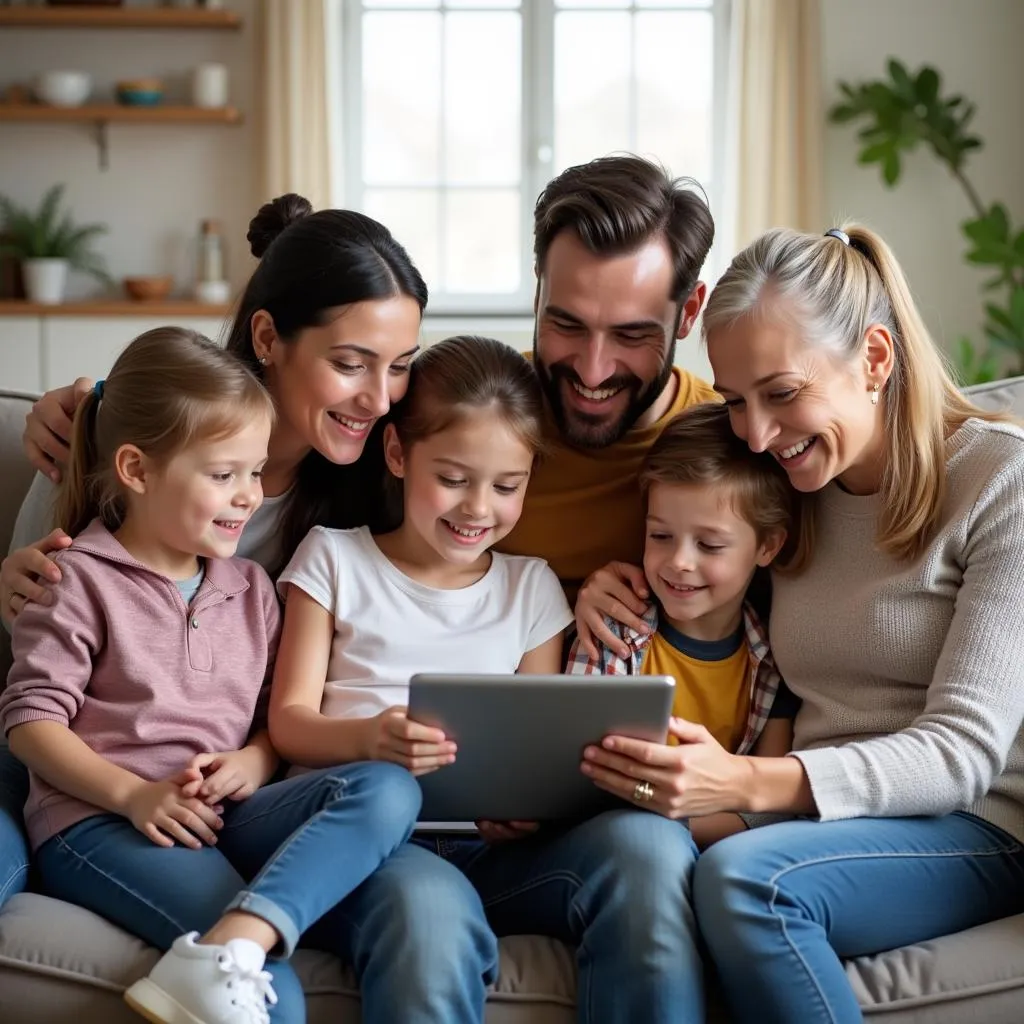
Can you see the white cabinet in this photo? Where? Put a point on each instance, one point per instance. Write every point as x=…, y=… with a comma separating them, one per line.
x=42, y=352
x=21, y=353
x=87, y=346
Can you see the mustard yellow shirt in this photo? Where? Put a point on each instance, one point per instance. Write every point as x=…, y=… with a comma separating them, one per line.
x=583, y=507
x=712, y=680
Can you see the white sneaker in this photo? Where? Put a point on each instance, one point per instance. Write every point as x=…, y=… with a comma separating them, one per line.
x=194, y=984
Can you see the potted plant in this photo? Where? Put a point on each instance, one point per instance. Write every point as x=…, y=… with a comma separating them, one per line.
x=908, y=109
x=48, y=244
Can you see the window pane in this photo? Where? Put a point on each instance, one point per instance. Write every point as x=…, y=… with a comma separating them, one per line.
x=506, y=4
x=592, y=86
x=413, y=217
x=483, y=244
x=623, y=4
x=401, y=3
x=673, y=95
x=482, y=98
x=401, y=98
x=620, y=4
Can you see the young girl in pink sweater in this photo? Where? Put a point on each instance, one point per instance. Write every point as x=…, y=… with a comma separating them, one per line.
x=137, y=699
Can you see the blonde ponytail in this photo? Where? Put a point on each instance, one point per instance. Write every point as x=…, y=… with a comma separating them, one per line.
x=837, y=291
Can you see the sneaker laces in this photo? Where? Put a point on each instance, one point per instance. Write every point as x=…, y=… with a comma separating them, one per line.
x=251, y=988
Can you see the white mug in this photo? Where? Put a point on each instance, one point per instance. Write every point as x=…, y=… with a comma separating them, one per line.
x=210, y=86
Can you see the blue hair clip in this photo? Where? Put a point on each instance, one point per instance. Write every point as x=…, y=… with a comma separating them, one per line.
x=838, y=233
x=98, y=390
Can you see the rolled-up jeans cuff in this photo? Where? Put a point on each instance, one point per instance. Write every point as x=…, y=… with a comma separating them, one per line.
x=259, y=906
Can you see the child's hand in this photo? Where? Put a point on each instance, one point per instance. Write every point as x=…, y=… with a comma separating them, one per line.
x=228, y=775
x=503, y=831
x=420, y=748
x=163, y=813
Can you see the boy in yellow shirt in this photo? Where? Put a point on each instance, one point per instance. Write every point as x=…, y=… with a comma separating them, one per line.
x=716, y=514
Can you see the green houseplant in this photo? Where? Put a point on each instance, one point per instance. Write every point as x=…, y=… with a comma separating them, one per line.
x=49, y=243
x=906, y=110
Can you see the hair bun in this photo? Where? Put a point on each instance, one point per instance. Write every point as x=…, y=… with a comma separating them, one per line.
x=272, y=218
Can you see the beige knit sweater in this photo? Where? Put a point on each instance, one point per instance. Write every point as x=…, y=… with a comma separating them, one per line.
x=912, y=673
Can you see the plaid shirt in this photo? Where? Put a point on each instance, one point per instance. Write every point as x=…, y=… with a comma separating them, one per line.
x=764, y=676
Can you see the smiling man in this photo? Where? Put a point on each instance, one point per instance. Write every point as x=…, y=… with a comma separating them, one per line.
x=618, y=247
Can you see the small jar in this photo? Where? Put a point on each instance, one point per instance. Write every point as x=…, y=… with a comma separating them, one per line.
x=210, y=86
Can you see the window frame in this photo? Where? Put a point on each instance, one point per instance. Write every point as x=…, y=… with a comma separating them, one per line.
x=537, y=122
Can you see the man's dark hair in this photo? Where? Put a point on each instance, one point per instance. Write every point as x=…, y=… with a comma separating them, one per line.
x=616, y=204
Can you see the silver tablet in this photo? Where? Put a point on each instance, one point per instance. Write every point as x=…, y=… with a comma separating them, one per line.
x=521, y=739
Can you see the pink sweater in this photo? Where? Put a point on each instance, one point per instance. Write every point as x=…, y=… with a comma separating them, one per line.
x=143, y=680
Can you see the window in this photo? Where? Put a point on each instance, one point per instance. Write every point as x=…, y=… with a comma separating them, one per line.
x=457, y=112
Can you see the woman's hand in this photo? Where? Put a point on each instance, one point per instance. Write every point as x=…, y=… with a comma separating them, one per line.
x=620, y=591
x=48, y=427
x=420, y=748
x=504, y=831
x=697, y=777
x=24, y=574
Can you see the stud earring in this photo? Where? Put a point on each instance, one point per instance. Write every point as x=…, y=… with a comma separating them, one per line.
x=874, y=395
x=262, y=360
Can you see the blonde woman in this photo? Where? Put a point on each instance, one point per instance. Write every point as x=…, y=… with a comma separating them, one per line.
x=901, y=628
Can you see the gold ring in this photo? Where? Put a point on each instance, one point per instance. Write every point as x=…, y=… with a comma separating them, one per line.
x=643, y=792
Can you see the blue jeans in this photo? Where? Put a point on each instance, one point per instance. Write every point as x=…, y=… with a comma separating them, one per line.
x=780, y=907
x=288, y=854
x=13, y=841
x=617, y=887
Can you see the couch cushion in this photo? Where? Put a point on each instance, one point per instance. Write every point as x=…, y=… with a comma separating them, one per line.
x=16, y=474
x=49, y=950
x=1005, y=395
x=57, y=961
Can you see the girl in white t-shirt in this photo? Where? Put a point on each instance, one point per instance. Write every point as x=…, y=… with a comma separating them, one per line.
x=363, y=613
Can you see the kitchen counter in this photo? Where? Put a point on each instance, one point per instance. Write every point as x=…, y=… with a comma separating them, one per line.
x=115, y=307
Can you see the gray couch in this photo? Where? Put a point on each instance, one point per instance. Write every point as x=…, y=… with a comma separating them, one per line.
x=63, y=965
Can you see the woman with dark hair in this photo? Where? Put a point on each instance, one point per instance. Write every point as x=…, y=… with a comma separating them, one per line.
x=329, y=321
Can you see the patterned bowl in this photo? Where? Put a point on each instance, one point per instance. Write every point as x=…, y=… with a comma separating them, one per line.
x=140, y=92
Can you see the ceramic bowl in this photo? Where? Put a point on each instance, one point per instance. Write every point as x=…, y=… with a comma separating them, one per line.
x=148, y=289
x=63, y=88
x=140, y=92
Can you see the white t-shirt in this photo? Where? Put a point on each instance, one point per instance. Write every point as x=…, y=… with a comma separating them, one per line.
x=388, y=627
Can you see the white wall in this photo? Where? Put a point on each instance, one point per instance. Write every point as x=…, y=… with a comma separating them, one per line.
x=163, y=179
x=976, y=47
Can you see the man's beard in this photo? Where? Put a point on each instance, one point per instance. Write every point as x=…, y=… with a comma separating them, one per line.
x=581, y=430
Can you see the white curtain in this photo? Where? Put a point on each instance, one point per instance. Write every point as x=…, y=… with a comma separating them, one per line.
x=775, y=120
x=296, y=122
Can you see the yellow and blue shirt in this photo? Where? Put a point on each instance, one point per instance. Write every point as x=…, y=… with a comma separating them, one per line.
x=730, y=686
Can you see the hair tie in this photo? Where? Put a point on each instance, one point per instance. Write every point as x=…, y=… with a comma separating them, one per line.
x=838, y=233
x=98, y=390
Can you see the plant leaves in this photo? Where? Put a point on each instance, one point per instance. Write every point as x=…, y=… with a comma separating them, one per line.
x=891, y=168
x=901, y=80
x=999, y=316
x=927, y=85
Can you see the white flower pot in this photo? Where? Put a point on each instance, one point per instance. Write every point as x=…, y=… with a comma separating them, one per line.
x=45, y=280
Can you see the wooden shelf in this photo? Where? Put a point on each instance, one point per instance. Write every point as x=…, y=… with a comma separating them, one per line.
x=119, y=113
x=117, y=17
x=115, y=307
